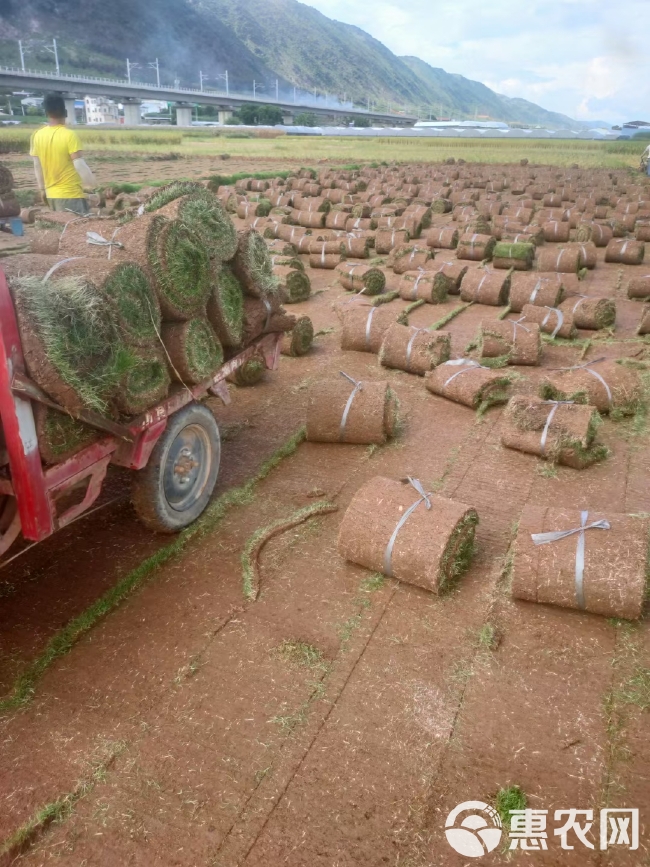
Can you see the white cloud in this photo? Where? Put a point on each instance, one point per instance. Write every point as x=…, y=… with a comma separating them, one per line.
x=586, y=58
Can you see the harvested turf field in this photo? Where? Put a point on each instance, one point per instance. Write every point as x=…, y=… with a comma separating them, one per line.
x=152, y=714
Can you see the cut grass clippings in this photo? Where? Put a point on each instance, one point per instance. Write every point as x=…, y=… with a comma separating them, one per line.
x=508, y=799
x=253, y=548
x=24, y=686
x=449, y=316
x=59, y=810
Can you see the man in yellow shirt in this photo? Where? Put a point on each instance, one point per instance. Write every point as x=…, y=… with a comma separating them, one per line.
x=61, y=171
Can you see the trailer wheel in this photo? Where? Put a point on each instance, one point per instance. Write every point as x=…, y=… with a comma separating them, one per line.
x=177, y=483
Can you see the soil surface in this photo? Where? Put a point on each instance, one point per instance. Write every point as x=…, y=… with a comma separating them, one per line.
x=189, y=727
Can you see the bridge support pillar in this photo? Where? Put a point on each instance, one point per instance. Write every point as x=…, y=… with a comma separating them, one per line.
x=224, y=116
x=183, y=115
x=287, y=118
x=71, y=119
x=132, y=116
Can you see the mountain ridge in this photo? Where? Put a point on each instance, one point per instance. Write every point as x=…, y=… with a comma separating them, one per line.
x=255, y=40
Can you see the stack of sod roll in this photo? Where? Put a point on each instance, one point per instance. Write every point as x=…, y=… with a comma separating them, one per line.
x=128, y=307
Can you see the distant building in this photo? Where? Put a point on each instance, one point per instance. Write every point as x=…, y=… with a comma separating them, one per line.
x=100, y=110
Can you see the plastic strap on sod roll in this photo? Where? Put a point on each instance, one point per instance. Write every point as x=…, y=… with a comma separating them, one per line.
x=58, y=265
x=369, y=324
x=409, y=348
x=533, y=294
x=358, y=386
x=546, y=538
x=424, y=498
x=560, y=319
x=99, y=241
x=547, y=426
x=269, y=313
x=593, y=373
x=469, y=364
x=414, y=290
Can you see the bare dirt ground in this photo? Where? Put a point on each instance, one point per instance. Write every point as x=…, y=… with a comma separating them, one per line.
x=189, y=728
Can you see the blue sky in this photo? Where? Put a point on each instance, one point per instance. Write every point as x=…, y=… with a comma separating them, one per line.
x=589, y=59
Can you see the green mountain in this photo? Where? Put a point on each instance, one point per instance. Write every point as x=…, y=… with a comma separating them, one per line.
x=452, y=94
x=255, y=40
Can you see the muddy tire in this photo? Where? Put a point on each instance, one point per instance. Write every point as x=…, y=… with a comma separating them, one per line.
x=173, y=490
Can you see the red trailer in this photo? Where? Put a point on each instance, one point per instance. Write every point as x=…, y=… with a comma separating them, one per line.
x=174, y=448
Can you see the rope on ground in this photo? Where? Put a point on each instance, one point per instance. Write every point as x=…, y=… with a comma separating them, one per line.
x=253, y=548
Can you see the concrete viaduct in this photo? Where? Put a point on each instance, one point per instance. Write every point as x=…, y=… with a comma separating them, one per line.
x=132, y=94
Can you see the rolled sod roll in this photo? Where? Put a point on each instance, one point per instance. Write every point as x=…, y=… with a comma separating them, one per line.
x=359, y=224
x=145, y=383
x=318, y=248
x=607, y=385
x=202, y=211
x=602, y=569
x=466, y=381
x=70, y=341
x=336, y=220
x=226, y=307
x=252, y=210
x=401, y=531
x=265, y=316
x=625, y=252
x=278, y=247
x=249, y=373
x=295, y=285
x=127, y=288
x=430, y=286
x=456, y=271
x=356, y=247
x=598, y=234
x=299, y=340
x=252, y=266
x=442, y=239
x=441, y=206
x=475, y=247
x=415, y=350
x=642, y=232
x=539, y=290
x=46, y=242
x=289, y=234
x=59, y=435
x=563, y=433
x=361, y=278
x=309, y=219
x=644, y=324
x=513, y=341
x=551, y=320
x=485, y=287
x=638, y=287
x=555, y=231
x=364, y=327
x=591, y=313
x=194, y=351
x=292, y=262
x=588, y=255
x=564, y=261
x=409, y=257
x=341, y=410
x=519, y=256
x=327, y=261
x=386, y=239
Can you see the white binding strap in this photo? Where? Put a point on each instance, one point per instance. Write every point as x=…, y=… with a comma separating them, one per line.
x=560, y=319
x=546, y=538
x=369, y=324
x=423, y=498
x=468, y=364
x=533, y=294
x=549, y=419
x=269, y=312
x=358, y=386
x=58, y=265
x=409, y=348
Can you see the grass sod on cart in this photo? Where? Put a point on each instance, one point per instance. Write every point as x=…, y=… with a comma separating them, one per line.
x=226, y=307
x=71, y=344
